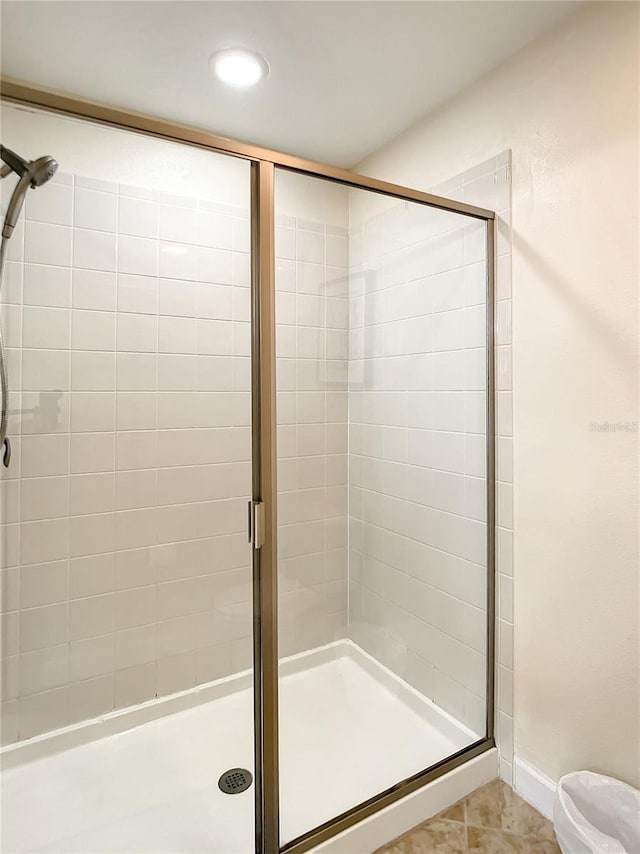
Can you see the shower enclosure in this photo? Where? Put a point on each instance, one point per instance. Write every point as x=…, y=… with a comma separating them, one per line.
x=247, y=528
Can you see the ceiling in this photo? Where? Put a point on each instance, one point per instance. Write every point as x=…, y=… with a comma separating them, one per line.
x=346, y=77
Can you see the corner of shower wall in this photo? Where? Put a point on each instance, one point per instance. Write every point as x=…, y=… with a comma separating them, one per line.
x=380, y=227
x=504, y=470
x=489, y=185
x=418, y=600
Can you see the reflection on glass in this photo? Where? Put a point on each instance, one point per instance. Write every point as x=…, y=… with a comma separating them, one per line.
x=382, y=494
x=126, y=572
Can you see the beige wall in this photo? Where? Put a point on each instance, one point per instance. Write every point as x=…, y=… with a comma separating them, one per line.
x=567, y=106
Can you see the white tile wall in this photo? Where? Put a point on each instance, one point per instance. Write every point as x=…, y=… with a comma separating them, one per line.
x=489, y=185
x=312, y=311
x=126, y=571
x=417, y=489
x=125, y=564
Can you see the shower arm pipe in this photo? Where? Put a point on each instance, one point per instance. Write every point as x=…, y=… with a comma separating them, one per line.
x=48, y=99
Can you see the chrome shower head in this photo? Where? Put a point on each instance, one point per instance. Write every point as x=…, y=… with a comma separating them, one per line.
x=33, y=173
x=42, y=170
x=38, y=171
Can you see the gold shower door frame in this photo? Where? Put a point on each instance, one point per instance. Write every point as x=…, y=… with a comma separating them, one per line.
x=263, y=528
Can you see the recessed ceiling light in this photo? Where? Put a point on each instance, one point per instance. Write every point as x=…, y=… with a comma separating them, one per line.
x=239, y=68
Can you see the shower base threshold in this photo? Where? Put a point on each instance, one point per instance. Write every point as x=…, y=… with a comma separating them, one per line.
x=145, y=779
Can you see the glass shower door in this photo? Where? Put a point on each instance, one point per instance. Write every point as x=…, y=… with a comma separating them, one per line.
x=382, y=447
x=126, y=572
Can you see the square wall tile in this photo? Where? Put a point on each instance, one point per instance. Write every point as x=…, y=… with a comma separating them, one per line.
x=93, y=330
x=137, y=217
x=45, y=370
x=137, y=294
x=94, y=250
x=46, y=285
x=54, y=205
x=93, y=371
x=94, y=289
x=95, y=210
x=137, y=256
x=178, y=261
x=47, y=244
x=45, y=328
x=43, y=712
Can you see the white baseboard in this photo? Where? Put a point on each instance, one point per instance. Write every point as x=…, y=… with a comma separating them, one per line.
x=534, y=787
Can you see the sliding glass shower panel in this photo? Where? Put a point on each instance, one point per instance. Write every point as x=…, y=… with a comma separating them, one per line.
x=126, y=572
x=382, y=448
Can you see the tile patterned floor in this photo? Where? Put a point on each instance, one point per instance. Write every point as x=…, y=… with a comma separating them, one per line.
x=492, y=820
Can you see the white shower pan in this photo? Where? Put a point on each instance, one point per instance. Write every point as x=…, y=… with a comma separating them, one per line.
x=145, y=779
